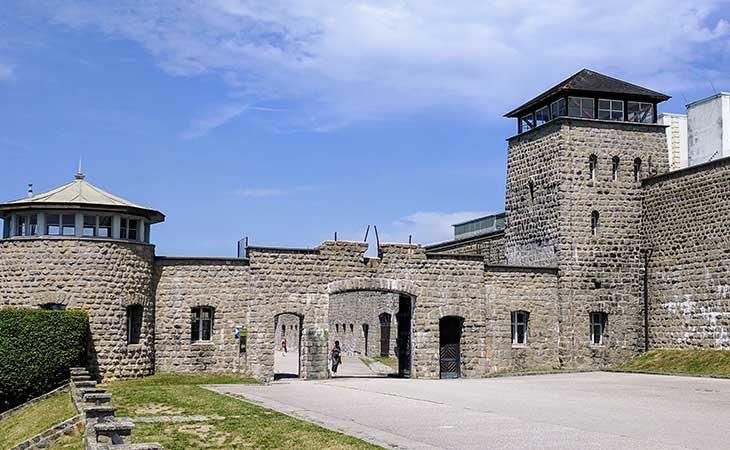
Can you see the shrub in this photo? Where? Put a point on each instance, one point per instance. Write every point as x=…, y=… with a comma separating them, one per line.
x=37, y=347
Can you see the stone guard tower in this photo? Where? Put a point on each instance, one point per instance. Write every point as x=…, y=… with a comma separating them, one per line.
x=78, y=246
x=574, y=201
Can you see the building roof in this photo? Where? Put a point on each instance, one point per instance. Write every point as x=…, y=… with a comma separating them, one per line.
x=590, y=81
x=78, y=194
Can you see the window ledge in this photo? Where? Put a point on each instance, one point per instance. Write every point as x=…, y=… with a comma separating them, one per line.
x=135, y=346
x=520, y=346
x=203, y=343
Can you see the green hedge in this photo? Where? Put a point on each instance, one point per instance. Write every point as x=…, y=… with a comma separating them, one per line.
x=37, y=347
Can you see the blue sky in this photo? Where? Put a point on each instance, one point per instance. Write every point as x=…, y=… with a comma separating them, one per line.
x=286, y=122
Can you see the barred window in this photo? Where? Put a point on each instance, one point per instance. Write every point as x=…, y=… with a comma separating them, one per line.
x=519, y=327
x=614, y=168
x=637, y=169
x=201, y=328
x=592, y=166
x=594, y=222
x=598, y=327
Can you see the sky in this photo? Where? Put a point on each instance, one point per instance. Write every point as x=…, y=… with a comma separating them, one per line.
x=289, y=121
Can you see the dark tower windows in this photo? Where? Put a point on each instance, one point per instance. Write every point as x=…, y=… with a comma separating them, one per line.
x=614, y=168
x=598, y=327
x=637, y=169
x=531, y=186
x=134, y=323
x=592, y=166
x=594, y=222
x=580, y=107
x=610, y=109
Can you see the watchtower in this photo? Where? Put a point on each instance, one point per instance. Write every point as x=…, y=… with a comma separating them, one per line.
x=574, y=202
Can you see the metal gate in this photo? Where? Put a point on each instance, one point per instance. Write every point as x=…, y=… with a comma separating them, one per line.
x=450, y=343
x=384, y=335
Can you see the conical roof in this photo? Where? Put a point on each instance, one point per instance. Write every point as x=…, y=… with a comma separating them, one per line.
x=80, y=194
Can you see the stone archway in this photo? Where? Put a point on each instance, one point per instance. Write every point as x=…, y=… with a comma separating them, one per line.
x=379, y=306
x=287, y=345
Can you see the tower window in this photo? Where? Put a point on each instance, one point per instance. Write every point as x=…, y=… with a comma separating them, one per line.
x=89, y=226
x=640, y=112
x=594, y=222
x=580, y=107
x=614, y=168
x=201, y=328
x=637, y=169
x=527, y=122
x=610, y=109
x=134, y=324
x=592, y=166
x=26, y=225
x=105, y=227
x=68, y=224
x=557, y=108
x=519, y=327
x=542, y=116
x=598, y=327
x=53, y=224
x=128, y=229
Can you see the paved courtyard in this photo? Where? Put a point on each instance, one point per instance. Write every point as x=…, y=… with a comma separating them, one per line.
x=566, y=411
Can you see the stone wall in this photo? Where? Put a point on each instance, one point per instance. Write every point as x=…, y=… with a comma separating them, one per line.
x=184, y=283
x=534, y=290
x=603, y=272
x=100, y=276
x=491, y=246
x=349, y=311
x=686, y=223
x=599, y=272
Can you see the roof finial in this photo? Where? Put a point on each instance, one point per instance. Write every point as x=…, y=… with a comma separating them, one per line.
x=80, y=172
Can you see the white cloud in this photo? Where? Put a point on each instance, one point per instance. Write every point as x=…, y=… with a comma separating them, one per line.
x=350, y=60
x=428, y=226
x=212, y=119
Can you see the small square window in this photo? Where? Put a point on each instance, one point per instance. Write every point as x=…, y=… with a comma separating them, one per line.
x=640, y=112
x=105, y=227
x=580, y=107
x=69, y=224
x=542, y=116
x=527, y=122
x=89, y=226
x=557, y=108
x=53, y=224
x=610, y=109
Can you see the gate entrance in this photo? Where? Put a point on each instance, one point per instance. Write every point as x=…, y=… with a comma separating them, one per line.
x=450, y=346
x=403, y=342
x=287, y=345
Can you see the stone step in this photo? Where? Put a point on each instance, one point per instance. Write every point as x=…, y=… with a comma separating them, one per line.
x=90, y=390
x=97, y=398
x=112, y=431
x=80, y=377
x=85, y=383
x=99, y=411
x=139, y=446
x=78, y=371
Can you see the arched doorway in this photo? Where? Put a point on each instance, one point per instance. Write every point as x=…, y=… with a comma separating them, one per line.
x=403, y=341
x=450, y=328
x=286, y=345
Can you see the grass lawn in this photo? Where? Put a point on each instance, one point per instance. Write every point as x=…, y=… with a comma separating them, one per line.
x=691, y=362
x=35, y=419
x=235, y=423
x=390, y=362
x=69, y=443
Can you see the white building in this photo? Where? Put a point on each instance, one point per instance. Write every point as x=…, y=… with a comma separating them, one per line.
x=676, y=139
x=708, y=125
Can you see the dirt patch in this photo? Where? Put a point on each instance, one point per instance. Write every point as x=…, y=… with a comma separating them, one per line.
x=152, y=409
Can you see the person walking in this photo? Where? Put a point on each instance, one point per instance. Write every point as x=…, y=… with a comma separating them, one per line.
x=283, y=347
x=336, y=357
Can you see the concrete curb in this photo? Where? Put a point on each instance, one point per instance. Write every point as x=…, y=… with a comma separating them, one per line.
x=668, y=374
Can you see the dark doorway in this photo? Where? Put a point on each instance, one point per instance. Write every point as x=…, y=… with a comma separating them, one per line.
x=384, y=334
x=403, y=342
x=287, y=358
x=365, y=329
x=450, y=346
